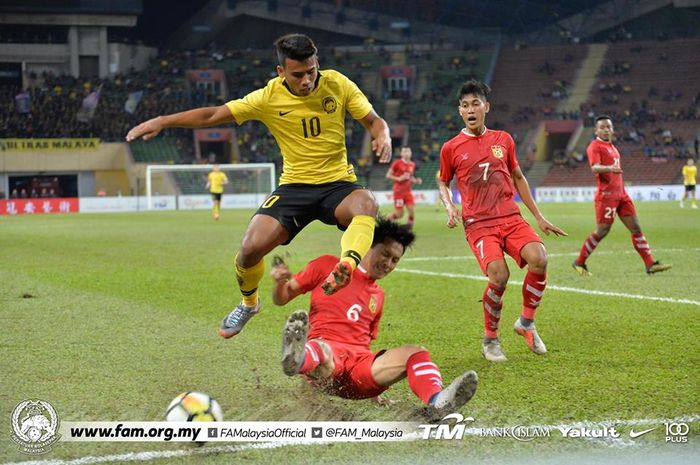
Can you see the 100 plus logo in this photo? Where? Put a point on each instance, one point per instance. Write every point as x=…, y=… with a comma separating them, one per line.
x=677, y=432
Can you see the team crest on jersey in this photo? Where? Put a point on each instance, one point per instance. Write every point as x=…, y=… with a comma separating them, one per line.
x=329, y=105
x=372, y=304
x=497, y=151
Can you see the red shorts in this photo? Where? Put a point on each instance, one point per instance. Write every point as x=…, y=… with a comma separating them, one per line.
x=489, y=243
x=605, y=208
x=352, y=376
x=402, y=199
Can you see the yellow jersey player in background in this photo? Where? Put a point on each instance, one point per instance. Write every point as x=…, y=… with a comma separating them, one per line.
x=690, y=173
x=215, y=183
x=304, y=109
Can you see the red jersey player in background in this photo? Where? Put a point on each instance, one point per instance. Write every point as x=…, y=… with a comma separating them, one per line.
x=611, y=198
x=401, y=172
x=488, y=174
x=331, y=346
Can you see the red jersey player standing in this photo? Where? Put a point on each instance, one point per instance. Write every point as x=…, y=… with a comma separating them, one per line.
x=611, y=199
x=487, y=172
x=331, y=346
x=401, y=172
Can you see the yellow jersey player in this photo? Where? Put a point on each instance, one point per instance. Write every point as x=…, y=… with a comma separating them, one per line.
x=304, y=109
x=215, y=183
x=690, y=173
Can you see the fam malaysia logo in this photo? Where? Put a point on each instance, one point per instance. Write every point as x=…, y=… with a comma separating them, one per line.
x=459, y=429
x=34, y=426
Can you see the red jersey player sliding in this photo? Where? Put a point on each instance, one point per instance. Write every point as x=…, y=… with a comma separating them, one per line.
x=331, y=346
x=487, y=172
x=401, y=172
x=611, y=198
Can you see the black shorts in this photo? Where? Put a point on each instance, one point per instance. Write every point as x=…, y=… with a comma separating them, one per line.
x=296, y=205
x=690, y=188
x=216, y=196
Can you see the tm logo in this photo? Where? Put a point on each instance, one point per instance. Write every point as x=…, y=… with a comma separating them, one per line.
x=446, y=431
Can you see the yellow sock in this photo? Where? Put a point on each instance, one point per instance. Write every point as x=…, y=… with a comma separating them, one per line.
x=248, y=280
x=216, y=209
x=357, y=239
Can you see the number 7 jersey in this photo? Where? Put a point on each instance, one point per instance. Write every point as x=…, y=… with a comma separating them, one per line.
x=310, y=130
x=483, y=166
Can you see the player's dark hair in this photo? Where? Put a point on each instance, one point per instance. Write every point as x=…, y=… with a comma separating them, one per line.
x=388, y=229
x=474, y=87
x=602, y=117
x=298, y=47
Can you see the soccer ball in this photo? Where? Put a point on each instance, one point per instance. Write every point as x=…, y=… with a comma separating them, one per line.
x=194, y=406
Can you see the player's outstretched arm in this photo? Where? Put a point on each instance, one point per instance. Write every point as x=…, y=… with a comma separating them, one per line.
x=452, y=210
x=523, y=188
x=198, y=118
x=284, y=288
x=381, y=138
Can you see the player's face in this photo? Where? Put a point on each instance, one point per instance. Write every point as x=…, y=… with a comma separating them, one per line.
x=300, y=75
x=383, y=258
x=604, y=130
x=473, y=109
x=406, y=153
x=691, y=162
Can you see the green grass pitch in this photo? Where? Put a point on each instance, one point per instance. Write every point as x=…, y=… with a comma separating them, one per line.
x=110, y=316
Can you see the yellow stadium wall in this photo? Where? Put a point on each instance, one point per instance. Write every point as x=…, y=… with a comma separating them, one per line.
x=112, y=163
x=109, y=157
x=112, y=182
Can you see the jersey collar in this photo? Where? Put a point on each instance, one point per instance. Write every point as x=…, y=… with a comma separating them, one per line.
x=464, y=131
x=286, y=86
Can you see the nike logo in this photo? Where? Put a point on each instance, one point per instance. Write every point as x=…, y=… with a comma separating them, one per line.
x=282, y=113
x=541, y=283
x=634, y=434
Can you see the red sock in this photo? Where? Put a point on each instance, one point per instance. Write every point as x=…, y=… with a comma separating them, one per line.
x=392, y=216
x=533, y=288
x=314, y=357
x=642, y=247
x=411, y=220
x=492, y=302
x=587, y=248
x=424, y=376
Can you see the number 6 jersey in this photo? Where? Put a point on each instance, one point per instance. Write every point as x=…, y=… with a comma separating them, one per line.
x=351, y=315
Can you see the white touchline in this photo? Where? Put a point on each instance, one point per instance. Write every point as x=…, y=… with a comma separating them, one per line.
x=556, y=288
x=468, y=256
x=153, y=455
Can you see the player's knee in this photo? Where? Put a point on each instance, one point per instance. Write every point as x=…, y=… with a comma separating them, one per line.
x=366, y=204
x=248, y=254
x=538, y=263
x=603, y=231
x=499, y=277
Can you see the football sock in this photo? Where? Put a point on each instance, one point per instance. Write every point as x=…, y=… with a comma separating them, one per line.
x=248, y=280
x=216, y=209
x=423, y=375
x=587, y=248
x=392, y=216
x=357, y=239
x=642, y=247
x=313, y=357
x=411, y=220
x=492, y=301
x=533, y=289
